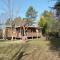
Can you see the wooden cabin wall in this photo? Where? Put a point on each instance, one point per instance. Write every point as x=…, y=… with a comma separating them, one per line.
x=8, y=32
x=17, y=33
x=32, y=32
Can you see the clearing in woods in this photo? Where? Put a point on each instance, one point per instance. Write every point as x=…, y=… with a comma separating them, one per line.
x=31, y=50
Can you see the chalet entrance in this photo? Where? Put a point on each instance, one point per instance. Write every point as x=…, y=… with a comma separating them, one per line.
x=22, y=31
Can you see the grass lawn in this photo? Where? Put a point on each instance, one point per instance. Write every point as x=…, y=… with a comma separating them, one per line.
x=8, y=49
x=31, y=50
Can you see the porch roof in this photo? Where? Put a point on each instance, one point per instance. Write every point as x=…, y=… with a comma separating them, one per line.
x=29, y=27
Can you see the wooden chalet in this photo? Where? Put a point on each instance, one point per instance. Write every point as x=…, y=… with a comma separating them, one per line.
x=20, y=30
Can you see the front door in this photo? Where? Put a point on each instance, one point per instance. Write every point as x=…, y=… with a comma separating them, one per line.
x=22, y=32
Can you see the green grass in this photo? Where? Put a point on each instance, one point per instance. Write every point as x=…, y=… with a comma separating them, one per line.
x=38, y=42
x=31, y=50
x=8, y=49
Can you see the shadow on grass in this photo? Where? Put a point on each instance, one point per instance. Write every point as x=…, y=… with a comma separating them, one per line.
x=55, y=44
x=20, y=53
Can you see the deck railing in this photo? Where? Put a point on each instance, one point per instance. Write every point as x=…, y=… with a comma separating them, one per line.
x=33, y=34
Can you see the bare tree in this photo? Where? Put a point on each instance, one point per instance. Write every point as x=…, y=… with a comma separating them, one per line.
x=9, y=12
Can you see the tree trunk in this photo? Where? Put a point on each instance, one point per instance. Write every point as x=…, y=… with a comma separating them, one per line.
x=12, y=35
x=3, y=33
x=32, y=34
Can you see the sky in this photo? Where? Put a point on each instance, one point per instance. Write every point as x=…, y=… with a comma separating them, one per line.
x=20, y=7
x=38, y=5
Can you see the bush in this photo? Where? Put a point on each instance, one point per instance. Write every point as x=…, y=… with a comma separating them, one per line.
x=1, y=32
x=53, y=34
